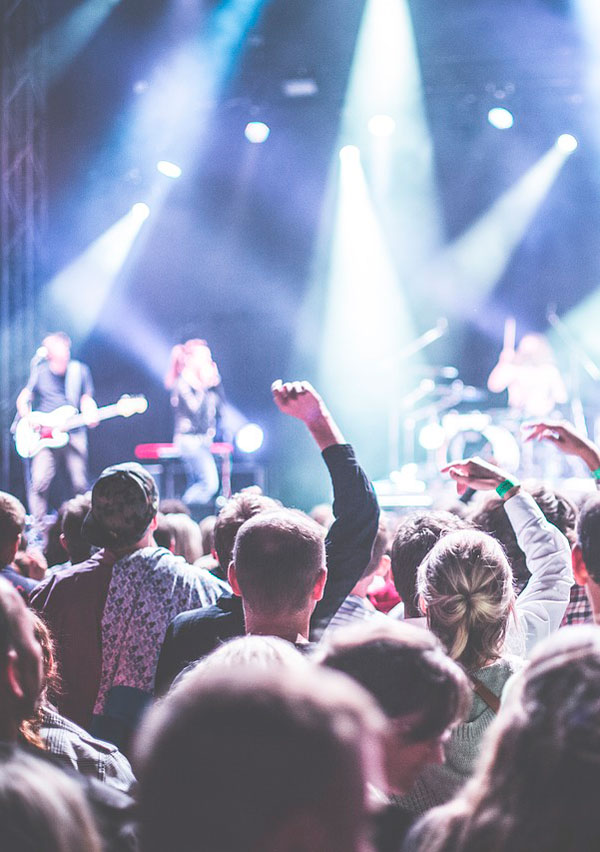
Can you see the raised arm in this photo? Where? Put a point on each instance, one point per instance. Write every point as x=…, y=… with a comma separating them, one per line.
x=541, y=605
x=351, y=536
x=564, y=436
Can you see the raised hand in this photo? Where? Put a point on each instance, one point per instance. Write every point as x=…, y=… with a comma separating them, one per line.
x=301, y=400
x=477, y=474
x=298, y=399
x=563, y=435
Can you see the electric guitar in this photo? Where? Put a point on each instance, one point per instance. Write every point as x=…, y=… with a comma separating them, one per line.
x=51, y=430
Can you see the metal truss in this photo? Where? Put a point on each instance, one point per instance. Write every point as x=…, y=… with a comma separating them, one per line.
x=22, y=205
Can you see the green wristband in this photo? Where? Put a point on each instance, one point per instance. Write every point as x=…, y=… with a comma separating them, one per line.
x=505, y=487
x=596, y=474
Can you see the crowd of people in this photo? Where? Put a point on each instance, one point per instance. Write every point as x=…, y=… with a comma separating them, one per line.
x=268, y=681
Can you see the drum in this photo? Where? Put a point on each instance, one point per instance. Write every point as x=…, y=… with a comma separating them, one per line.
x=474, y=434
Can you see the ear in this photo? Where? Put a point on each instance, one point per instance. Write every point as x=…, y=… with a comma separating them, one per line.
x=422, y=605
x=12, y=674
x=384, y=567
x=154, y=523
x=319, y=587
x=579, y=569
x=232, y=577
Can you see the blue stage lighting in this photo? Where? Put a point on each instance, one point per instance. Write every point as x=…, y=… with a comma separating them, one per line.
x=381, y=125
x=567, y=143
x=350, y=154
x=257, y=132
x=140, y=211
x=250, y=438
x=171, y=170
x=501, y=118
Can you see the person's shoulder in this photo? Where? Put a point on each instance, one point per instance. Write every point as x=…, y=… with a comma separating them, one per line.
x=24, y=585
x=73, y=576
x=225, y=607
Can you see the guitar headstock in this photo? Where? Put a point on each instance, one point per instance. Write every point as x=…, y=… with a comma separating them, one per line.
x=128, y=405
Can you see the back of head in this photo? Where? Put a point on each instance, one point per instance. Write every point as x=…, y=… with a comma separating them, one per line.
x=537, y=782
x=415, y=536
x=185, y=536
x=73, y=516
x=124, y=503
x=238, y=509
x=41, y=808
x=466, y=585
x=230, y=758
x=406, y=670
x=379, y=549
x=12, y=522
x=588, y=535
x=278, y=557
x=173, y=506
x=490, y=516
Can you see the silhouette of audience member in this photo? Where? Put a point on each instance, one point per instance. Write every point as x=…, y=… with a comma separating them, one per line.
x=535, y=786
x=108, y=615
x=12, y=524
x=248, y=759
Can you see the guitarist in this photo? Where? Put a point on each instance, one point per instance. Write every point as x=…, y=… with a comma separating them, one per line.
x=55, y=380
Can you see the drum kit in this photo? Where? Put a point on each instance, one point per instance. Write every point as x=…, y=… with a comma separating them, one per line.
x=443, y=419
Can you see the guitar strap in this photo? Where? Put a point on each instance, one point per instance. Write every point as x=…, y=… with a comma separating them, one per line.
x=73, y=383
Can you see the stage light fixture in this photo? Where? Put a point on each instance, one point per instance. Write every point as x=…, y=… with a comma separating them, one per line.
x=140, y=211
x=170, y=170
x=432, y=436
x=257, y=132
x=567, y=143
x=250, y=438
x=350, y=154
x=501, y=118
x=381, y=125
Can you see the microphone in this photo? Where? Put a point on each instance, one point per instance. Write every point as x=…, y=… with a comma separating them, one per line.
x=41, y=353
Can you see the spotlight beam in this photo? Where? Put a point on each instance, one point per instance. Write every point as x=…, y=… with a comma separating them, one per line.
x=476, y=261
x=80, y=290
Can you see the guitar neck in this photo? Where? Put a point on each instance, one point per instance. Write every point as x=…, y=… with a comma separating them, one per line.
x=103, y=413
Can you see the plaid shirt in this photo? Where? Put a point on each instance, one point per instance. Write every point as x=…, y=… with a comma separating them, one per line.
x=579, y=610
x=353, y=610
x=74, y=747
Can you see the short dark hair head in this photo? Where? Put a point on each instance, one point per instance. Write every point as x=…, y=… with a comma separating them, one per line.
x=173, y=506
x=238, y=509
x=73, y=516
x=490, y=516
x=588, y=535
x=12, y=519
x=278, y=557
x=230, y=756
x=416, y=534
x=406, y=670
